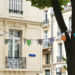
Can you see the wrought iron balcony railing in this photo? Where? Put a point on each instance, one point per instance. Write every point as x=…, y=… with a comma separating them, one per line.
x=15, y=11
x=46, y=44
x=12, y=62
x=59, y=59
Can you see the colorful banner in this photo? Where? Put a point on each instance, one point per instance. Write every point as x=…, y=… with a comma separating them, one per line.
x=28, y=42
x=51, y=39
x=40, y=41
x=6, y=41
x=63, y=37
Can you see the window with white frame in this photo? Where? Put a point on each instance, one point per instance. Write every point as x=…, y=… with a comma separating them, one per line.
x=60, y=49
x=46, y=34
x=14, y=49
x=46, y=17
x=60, y=71
x=59, y=56
x=15, y=6
x=46, y=38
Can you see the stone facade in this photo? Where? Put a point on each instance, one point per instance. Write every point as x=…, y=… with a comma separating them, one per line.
x=58, y=46
x=28, y=23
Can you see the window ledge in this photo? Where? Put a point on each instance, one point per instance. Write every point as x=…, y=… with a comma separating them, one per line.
x=16, y=16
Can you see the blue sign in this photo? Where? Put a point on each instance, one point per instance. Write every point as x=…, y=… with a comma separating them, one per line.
x=32, y=55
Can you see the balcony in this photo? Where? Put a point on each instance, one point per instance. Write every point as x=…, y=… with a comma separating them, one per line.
x=59, y=59
x=15, y=11
x=46, y=44
x=16, y=63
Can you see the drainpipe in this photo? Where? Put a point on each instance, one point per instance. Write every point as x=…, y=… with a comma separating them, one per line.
x=51, y=29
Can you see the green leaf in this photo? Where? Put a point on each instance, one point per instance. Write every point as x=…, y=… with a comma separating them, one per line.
x=64, y=59
x=65, y=67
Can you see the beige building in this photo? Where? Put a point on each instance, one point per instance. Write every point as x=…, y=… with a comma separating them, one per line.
x=46, y=49
x=58, y=50
x=53, y=46
x=20, y=22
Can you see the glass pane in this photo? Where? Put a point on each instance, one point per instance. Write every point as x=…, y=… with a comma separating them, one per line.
x=58, y=71
x=47, y=59
x=46, y=34
x=14, y=44
x=17, y=34
x=47, y=72
x=10, y=48
x=46, y=43
x=14, y=4
x=19, y=7
x=60, y=49
x=19, y=1
x=10, y=33
x=10, y=4
x=17, y=48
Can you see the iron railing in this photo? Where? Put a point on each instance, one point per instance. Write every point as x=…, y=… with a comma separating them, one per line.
x=12, y=62
x=46, y=44
x=59, y=58
x=15, y=11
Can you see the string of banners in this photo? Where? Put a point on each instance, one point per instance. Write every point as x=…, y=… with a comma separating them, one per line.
x=50, y=40
x=40, y=41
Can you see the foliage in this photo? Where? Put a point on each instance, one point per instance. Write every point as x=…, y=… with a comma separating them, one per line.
x=46, y=3
x=65, y=67
x=64, y=59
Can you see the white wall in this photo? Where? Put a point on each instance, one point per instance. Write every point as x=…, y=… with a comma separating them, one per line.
x=29, y=13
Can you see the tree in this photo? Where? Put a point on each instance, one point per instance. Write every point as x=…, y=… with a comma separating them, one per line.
x=70, y=42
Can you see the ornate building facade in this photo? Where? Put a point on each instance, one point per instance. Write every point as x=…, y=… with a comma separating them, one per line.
x=20, y=28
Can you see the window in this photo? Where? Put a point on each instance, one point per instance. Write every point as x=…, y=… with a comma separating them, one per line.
x=58, y=71
x=48, y=58
x=59, y=57
x=46, y=38
x=14, y=44
x=46, y=34
x=15, y=6
x=46, y=17
x=60, y=49
x=47, y=72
